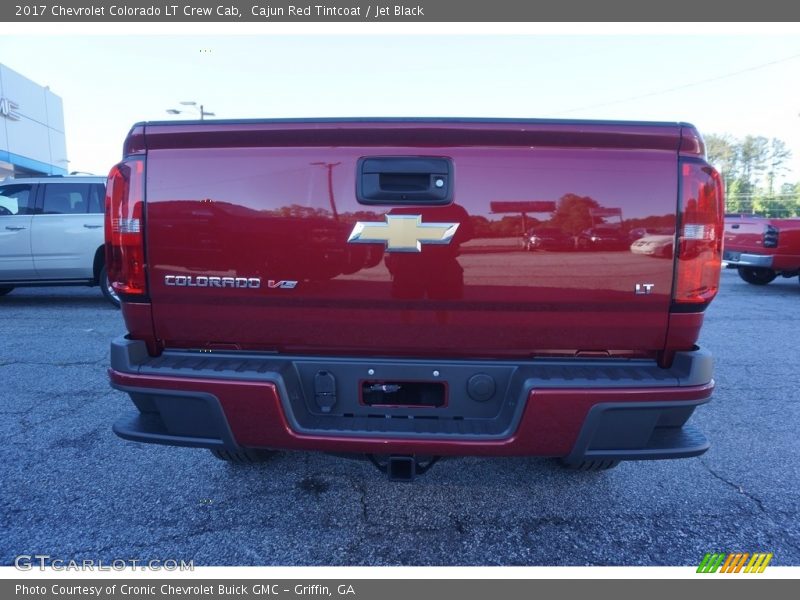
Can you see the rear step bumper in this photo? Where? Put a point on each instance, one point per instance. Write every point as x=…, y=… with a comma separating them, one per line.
x=578, y=409
x=743, y=259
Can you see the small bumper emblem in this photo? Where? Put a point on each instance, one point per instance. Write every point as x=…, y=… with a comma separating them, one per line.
x=402, y=233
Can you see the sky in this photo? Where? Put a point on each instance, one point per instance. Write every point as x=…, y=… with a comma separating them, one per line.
x=723, y=84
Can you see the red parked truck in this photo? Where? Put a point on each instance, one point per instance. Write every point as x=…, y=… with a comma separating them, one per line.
x=358, y=287
x=761, y=249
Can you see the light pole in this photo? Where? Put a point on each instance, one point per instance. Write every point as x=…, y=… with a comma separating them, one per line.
x=331, y=199
x=197, y=107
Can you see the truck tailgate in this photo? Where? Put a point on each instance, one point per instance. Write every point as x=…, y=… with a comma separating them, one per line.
x=256, y=238
x=745, y=234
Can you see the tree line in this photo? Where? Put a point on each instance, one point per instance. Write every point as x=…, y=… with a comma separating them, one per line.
x=753, y=168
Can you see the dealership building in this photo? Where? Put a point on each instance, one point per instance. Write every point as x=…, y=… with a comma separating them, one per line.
x=32, y=138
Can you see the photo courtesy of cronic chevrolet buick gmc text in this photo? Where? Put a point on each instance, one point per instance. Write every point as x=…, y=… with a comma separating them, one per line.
x=51, y=233
x=358, y=287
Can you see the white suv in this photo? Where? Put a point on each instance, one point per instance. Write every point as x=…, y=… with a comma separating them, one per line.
x=51, y=233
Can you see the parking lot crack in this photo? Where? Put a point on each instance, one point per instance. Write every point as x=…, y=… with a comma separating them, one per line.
x=362, y=499
x=755, y=499
x=127, y=546
x=81, y=363
x=80, y=554
x=22, y=412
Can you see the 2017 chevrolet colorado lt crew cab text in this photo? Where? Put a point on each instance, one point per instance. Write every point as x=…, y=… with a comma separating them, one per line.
x=358, y=286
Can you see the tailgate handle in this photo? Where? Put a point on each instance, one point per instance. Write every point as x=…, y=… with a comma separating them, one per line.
x=735, y=226
x=404, y=180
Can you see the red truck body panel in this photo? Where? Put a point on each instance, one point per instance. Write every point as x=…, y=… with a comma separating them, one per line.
x=285, y=213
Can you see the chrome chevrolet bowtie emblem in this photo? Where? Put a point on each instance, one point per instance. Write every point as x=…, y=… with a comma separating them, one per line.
x=402, y=233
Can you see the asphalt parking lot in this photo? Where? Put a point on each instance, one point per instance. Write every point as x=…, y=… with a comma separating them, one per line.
x=71, y=489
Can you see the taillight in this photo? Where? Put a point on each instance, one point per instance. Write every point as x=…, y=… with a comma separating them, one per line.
x=770, y=236
x=699, y=252
x=124, y=228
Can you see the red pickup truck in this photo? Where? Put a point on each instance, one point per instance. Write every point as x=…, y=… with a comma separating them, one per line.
x=761, y=249
x=358, y=287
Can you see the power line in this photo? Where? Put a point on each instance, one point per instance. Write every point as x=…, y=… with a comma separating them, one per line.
x=685, y=85
x=776, y=196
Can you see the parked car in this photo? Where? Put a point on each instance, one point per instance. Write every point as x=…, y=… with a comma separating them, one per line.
x=51, y=233
x=547, y=238
x=761, y=249
x=651, y=244
x=601, y=238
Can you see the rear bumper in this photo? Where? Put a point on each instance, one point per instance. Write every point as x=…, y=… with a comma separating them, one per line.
x=577, y=409
x=743, y=259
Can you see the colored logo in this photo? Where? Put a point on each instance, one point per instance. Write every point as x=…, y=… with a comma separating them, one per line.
x=402, y=233
x=740, y=562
